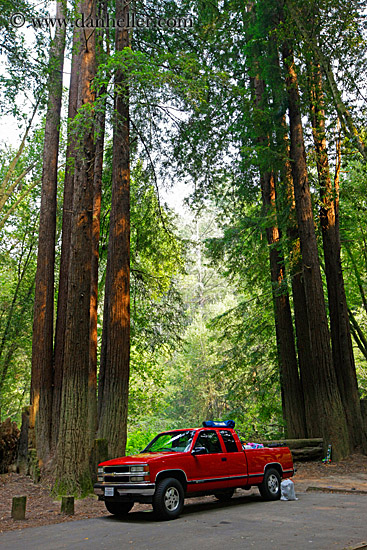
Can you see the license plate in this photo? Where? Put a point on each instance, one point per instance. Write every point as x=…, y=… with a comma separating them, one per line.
x=108, y=492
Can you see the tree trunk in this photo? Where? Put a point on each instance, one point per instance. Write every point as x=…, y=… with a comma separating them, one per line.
x=113, y=419
x=98, y=170
x=298, y=289
x=293, y=403
x=42, y=344
x=345, y=117
x=327, y=417
x=342, y=349
x=65, y=245
x=72, y=474
x=292, y=398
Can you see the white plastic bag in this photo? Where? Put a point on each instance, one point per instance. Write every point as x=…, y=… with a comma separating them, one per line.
x=287, y=490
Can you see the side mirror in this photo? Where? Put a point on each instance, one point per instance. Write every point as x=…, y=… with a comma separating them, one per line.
x=199, y=451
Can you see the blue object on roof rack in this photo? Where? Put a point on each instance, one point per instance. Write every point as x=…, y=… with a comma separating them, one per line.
x=217, y=424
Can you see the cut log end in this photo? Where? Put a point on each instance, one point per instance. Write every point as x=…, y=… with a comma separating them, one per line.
x=18, y=507
x=67, y=505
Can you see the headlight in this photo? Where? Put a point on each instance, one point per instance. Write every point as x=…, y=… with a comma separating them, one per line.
x=100, y=470
x=136, y=468
x=136, y=478
x=99, y=478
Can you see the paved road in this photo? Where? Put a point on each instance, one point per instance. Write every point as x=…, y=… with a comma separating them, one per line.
x=315, y=521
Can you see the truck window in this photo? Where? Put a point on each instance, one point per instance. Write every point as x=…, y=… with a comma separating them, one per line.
x=177, y=441
x=229, y=442
x=210, y=441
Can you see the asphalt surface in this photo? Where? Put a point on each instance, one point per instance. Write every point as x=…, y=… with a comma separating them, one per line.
x=321, y=521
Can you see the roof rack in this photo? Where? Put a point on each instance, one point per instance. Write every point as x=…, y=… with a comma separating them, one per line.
x=219, y=424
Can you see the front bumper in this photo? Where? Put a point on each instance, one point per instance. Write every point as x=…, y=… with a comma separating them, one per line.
x=126, y=489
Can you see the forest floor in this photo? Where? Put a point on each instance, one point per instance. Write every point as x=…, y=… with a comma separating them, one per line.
x=348, y=475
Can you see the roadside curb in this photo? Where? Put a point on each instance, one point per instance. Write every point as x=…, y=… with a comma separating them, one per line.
x=336, y=490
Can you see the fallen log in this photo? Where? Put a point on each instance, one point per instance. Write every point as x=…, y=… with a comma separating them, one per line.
x=301, y=449
x=307, y=453
x=296, y=443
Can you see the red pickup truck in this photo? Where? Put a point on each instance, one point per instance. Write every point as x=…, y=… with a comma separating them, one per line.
x=188, y=463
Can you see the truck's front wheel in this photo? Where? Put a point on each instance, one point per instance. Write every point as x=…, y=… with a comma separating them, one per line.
x=168, y=499
x=119, y=509
x=270, y=487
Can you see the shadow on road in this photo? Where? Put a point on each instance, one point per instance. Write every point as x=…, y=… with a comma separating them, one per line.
x=190, y=508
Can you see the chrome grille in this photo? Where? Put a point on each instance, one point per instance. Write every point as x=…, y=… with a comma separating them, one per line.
x=116, y=469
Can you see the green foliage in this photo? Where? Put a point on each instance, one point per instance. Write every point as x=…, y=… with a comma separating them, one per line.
x=18, y=257
x=353, y=220
x=138, y=440
x=226, y=366
x=156, y=306
x=202, y=337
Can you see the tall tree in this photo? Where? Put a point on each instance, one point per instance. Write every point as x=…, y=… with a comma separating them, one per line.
x=309, y=20
x=97, y=198
x=342, y=349
x=114, y=378
x=72, y=473
x=324, y=410
x=295, y=268
x=42, y=351
x=66, y=238
x=292, y=396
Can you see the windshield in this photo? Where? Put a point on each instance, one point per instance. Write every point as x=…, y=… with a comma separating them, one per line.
x=178, y=442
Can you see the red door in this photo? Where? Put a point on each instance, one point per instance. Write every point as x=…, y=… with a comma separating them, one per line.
x=236, y=463
x=209, y=468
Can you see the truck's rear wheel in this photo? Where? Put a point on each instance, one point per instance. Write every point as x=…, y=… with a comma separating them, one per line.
x=270, y=487
x=168, y=499
x=119, y=509
x=225, y=495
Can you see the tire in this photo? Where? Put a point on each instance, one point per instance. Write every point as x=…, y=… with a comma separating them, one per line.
x=224, y=496
x=119, y=509
x=168, y=499
x=270, y=487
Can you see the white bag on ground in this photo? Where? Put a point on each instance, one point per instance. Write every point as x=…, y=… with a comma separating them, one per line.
x=287, y=490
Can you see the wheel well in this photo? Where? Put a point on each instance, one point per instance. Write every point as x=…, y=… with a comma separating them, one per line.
x=275, y=466
x=176, y=474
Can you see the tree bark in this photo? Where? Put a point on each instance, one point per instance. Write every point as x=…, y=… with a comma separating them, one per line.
x=326, y=418
x=72, y=474
x=298, y=289
x=342, y=349
x=345, y=117
x=293, y=402
x=114, y=404
x=65, y=244
x=292, y=398
x=98, y=171
x=42, y=343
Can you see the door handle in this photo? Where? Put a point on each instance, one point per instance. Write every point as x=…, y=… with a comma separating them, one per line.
x=224, y=458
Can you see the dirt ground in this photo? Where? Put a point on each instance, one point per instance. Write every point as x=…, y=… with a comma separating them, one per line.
x=42, y=509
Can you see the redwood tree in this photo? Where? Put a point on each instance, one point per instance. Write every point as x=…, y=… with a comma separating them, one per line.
x=114, y=375
x=324, y=410
x=65, y=243
x=97, y=198
x=342, y=348
x=73, y=443
x=42, y=346
x=292, y=397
